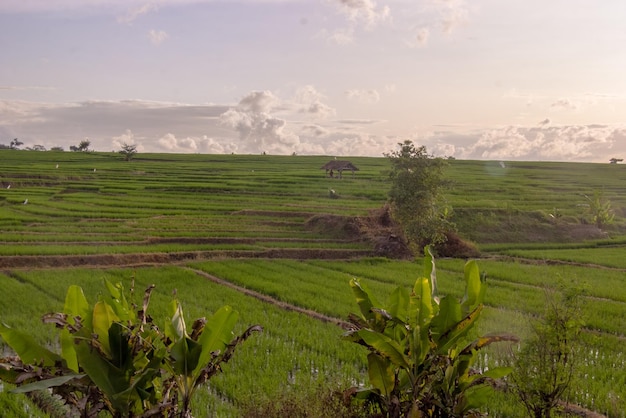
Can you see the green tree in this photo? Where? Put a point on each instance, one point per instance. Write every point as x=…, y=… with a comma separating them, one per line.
x=83, y=146
x=545, y=364
x=415, y=195
x=418, y=363
x=128, y=151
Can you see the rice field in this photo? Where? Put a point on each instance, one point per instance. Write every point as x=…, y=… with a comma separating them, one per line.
x=202, y=210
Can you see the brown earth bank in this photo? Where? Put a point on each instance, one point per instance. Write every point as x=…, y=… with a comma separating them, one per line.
x=112, y=260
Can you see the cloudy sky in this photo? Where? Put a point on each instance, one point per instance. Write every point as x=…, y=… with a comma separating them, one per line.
x=482, y=79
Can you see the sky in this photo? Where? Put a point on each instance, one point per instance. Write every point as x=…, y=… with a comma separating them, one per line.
x=483, y=79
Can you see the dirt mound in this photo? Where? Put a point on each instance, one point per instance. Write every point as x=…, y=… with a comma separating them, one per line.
x=455, y=246
x=378, y=228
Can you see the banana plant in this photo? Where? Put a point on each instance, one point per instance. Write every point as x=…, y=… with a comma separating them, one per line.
x=116, y=359
x=418, y=362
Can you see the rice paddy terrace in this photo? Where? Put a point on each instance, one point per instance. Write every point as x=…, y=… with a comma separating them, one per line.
x=77, y=208
x=239, y=230
x=92, y=205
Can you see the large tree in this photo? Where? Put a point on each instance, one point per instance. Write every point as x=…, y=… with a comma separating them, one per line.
x=415, y=195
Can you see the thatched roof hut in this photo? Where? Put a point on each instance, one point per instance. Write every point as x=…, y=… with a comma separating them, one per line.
x=338, y=166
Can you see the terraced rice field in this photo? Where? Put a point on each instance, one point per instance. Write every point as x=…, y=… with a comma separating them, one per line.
x=236, y=230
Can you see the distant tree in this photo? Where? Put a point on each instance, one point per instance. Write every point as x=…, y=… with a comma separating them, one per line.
x=16, y=143
x=56, y=149
x=616, y=160
x=36, y=148
x=128, y=151
x=83, y=146
x=416, y=184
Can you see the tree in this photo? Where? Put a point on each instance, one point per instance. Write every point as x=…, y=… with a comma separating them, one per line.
x=545, y=364
x=416, y=184
x=83, y=146
x=16, y=143
x=128, y=151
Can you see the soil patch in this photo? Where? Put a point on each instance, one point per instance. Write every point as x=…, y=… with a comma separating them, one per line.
x=377, y=228
x=119, y=260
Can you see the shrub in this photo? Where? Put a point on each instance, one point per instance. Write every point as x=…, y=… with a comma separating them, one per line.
x=417, y=364
x=116, y=359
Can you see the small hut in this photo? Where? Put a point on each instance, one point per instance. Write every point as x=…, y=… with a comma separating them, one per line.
x=339, y=167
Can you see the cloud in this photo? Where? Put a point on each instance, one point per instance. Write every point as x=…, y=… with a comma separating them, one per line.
x=364, y=96
x=24, y=88
x=559, y=143
x=342, y=37
x=366, y=12
x=132, y=14
x=258, y=130
x=314, y=130
x=309, y=101
x=564, y=104
x=262, y=121
x=453, y=13
x=127, y=138
x=157, y=37
x=102, y=121
x=173, y=144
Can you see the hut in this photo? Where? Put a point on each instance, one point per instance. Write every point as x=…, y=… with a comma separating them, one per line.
x=339, y=167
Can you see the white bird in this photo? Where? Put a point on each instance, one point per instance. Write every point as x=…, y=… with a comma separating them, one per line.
x=57, y=166
x=26, y=201
x=9, y=186
x=502, y=164
x=94, y=170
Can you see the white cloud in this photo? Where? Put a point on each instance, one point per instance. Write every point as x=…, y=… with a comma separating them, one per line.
x=172, y=144
x=368, y=96
x=564, y=104
x=135, y=12
x=258, y=130
x=342, y=37
x=127, y=138
x=453, y=14
x=309, y=101
x=253, y=126
x=314, y=130
x=157, y=37
x=559, y=143
x=366, y=12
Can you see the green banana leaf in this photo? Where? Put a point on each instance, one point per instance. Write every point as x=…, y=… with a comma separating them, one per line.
x=27, y=348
